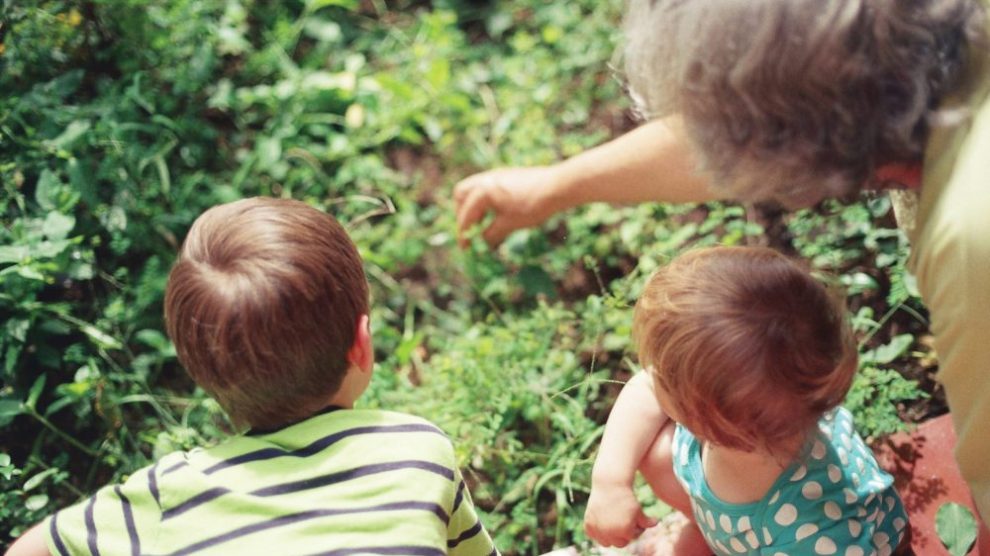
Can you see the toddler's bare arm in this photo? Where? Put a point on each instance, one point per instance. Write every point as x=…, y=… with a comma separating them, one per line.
x=614, y=516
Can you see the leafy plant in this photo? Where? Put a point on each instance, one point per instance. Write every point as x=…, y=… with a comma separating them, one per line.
x=122, y=120
x=956, y=528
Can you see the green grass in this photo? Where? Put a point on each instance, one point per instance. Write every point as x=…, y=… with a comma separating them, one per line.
x=124, y=119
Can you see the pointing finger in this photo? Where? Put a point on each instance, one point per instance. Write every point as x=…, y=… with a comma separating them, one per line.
x=471, y=211
x=465, y=186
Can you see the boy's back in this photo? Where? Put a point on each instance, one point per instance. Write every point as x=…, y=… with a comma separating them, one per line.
x=342, y=482
x=267, y=305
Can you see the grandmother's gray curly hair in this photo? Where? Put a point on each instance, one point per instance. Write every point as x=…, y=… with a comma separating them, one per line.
x=798, y=100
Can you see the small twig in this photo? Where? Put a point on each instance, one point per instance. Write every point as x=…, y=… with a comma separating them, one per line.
x=48, y=425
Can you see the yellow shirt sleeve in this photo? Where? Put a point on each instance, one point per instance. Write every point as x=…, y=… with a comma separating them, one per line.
x=951, y=259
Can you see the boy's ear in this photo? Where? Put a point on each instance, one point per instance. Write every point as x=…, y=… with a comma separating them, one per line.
x=362, y=353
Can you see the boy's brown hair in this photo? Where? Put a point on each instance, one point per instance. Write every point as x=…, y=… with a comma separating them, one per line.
x=748, y=346
x=262, y=305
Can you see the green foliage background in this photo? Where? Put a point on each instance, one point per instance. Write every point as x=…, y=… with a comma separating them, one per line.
x=121, y=120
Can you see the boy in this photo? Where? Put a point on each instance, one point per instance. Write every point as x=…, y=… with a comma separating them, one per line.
x=268, y=308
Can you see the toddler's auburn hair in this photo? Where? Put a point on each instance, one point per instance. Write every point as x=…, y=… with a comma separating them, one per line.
x=749, y=348
x=262, y=305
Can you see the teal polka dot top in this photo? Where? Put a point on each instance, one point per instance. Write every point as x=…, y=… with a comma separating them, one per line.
x=834, y=500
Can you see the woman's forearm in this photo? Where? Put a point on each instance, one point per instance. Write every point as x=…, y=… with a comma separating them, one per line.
x=653, y=162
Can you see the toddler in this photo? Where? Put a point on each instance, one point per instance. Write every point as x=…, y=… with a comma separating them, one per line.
x=736, y=421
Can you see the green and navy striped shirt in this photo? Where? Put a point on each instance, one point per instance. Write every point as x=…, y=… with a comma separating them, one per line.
x=340, y=483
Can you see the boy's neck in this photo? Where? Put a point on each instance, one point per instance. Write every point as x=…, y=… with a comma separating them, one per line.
x=354, y=384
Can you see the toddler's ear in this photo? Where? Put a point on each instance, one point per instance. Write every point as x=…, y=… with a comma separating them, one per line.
x=362, y=352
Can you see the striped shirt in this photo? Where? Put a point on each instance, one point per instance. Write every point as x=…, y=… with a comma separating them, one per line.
x=340, y=483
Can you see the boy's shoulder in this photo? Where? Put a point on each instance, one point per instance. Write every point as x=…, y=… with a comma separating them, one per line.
x=383, y=425
x=365, y=421
x=387, y=416
x=326, y=433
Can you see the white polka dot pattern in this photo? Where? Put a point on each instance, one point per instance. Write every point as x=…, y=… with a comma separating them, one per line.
x=825, y=545
x=786, y=515
x=835, y=502
x=725, y=522
x=832, y=510
x=811, y=490
x=805, y=531
x=834, y=473
x=751, y=539
x=818, y=450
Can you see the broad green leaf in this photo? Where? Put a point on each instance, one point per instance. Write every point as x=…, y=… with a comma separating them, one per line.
x=35, y=392
x=29, y=273
x=153, y=338
x=72, y=133
x=269, y=151
x=55, y=326
x=324, y=80
x=405, y=350
x=956, y=527
x=322, y=30
x=67, y=83
x=47, y=189
x=438, y=74
x=10, y=357
x=50, y=249
x=36, y=480
x=81, y=271
x=858, y=282
x=114, y=220
x=82, y=181
x=4, y=460
x=354, y=117
x=551, y=34
x=36, y=502
x=57, y=225
x=17, y=328
x=231, y=41
x=888, y=352
x=13, y=253
x=101, y=338
x=10, y=409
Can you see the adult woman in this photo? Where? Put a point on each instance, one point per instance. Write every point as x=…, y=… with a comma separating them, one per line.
x=796, y=101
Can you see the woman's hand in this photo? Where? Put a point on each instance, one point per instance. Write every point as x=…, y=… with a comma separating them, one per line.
x=653, y=162
x=519, y=197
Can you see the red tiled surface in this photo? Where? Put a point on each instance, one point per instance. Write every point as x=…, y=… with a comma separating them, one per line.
x=926, y=476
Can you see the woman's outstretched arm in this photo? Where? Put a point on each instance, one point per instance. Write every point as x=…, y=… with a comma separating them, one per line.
x=653, y=162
